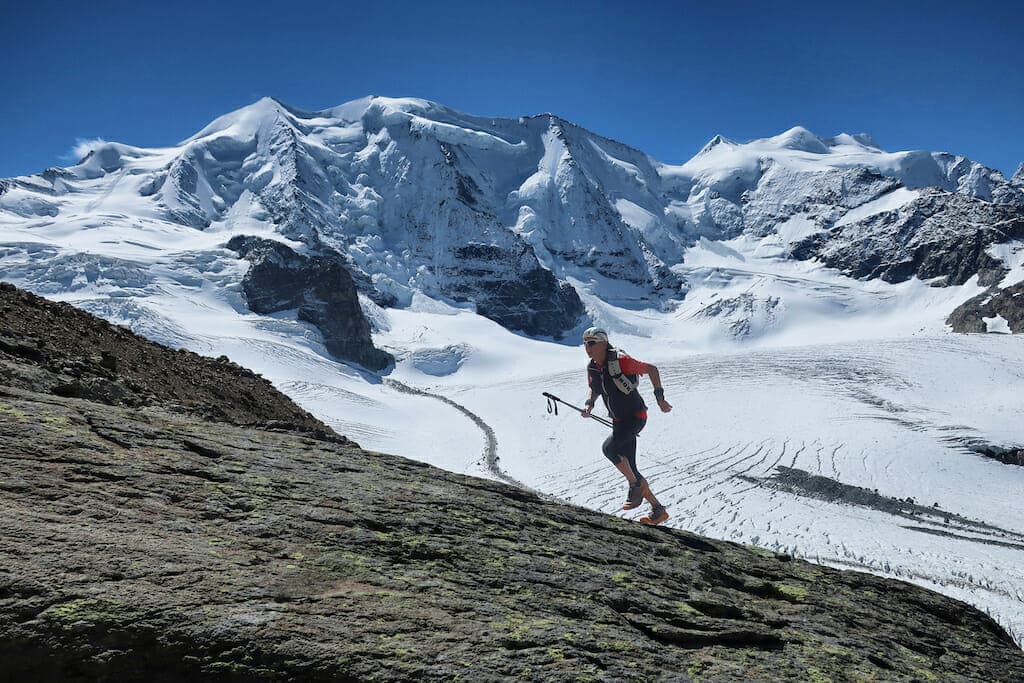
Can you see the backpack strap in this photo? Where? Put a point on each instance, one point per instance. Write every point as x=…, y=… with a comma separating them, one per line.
x=624, y=383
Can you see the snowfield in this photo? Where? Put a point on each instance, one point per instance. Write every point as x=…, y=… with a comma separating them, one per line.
x=849, y=454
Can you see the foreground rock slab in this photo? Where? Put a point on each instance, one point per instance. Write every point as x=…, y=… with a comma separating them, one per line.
x=150, y=545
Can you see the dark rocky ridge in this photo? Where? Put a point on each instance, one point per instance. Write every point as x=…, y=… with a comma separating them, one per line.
x=141, y=543
x=938, y=235
x=319, y=286
x=1008, y=303
x=1008, y=455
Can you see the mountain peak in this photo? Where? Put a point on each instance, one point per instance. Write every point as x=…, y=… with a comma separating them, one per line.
x=246, y=120
x=862, y=140
x=1018, y=177
x=715, y=142
x=354, y=110
x=799, y=139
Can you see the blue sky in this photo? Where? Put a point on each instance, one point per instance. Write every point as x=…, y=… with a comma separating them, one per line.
x=661, y=76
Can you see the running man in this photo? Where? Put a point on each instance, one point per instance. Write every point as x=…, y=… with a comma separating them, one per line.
x=614, y=376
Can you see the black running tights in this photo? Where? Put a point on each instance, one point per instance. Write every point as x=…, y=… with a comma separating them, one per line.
x=622, y=443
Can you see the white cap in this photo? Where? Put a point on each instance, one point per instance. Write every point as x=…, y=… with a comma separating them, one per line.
x=595, y=334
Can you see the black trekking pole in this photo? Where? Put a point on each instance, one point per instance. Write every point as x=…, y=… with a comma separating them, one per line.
x=553, y=402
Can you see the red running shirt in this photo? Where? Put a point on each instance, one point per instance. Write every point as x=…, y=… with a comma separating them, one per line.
x=629, y=366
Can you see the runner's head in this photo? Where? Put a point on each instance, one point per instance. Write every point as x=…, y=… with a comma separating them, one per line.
x=595, y=340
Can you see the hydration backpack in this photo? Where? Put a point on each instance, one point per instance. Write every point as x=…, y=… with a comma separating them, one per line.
x=625, y=383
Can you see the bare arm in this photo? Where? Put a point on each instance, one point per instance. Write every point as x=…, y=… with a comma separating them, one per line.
x=659, y=391
x=589, y=405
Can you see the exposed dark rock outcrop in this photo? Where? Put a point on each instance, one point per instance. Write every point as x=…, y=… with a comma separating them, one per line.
x=319, y=286
x=939, y=235
x=803, y=483
x=143, y=544
x=1007, y=303
x=1008, y=455
x=512, y=289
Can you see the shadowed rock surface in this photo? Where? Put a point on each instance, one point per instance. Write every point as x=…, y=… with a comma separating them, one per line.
x=1008, y=455
x=320, y=287
x=148, y=543
x=510, y=288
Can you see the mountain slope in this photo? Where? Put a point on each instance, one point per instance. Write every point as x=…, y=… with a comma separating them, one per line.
x=66, y=352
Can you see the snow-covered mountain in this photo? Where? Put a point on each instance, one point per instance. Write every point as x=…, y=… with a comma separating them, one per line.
x=519, y=217
x=794, y=290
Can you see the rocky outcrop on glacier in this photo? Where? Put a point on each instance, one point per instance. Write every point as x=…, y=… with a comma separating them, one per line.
x=996, y=310
x=319, y=287
x=161, y=543
x=532, y=300
x=939, y=236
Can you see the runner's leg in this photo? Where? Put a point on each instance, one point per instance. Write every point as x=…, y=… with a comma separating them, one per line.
x=618, y=448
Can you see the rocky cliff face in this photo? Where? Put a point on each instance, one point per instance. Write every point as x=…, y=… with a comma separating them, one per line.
x=939, y=235
x=144, y=540
x=531, y=301
x=319, y=287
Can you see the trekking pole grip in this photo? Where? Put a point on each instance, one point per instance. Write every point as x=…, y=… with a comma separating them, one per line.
x=552, y=399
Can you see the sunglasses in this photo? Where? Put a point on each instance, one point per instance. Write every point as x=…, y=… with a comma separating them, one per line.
x=591, y=342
